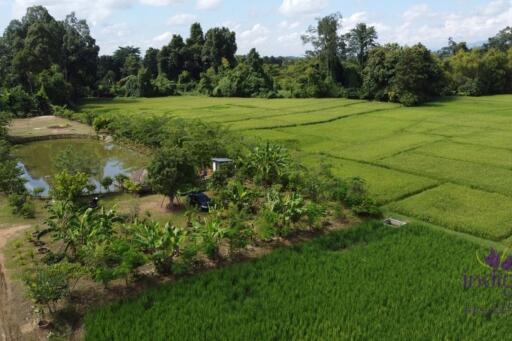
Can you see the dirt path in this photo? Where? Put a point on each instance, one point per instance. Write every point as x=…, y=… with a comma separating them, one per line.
x=9, y=328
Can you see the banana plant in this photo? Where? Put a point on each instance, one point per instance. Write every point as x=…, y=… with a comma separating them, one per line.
x=209, y=234
x=267, y=163
x=161, y=243
x=78, y=229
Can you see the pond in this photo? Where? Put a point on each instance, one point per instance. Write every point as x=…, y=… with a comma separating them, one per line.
x=41, y=160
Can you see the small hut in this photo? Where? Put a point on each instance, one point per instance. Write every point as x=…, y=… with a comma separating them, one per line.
x=217, y=163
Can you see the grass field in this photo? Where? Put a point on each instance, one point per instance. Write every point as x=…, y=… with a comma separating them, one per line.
x=456, y=149
x=389, y=284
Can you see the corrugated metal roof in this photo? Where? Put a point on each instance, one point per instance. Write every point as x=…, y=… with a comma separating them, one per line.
x=221, y=159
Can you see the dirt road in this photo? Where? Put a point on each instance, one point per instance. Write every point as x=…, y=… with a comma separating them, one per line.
x=9, y=328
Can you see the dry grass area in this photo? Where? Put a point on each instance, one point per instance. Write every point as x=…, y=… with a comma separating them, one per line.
x=43, y=127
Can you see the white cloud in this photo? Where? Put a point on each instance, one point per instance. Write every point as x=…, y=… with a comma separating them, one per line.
x=289, y=25
x=298, y=7
x=417, y=11
x=255, y=36
x=160, y=2
x=182, y=19
x=208, y=4
x=163, y=38
x=351, y=21
x=118, y=30
x=290, y=38
x=422, y=24
x=232, y=25
x=93, y=10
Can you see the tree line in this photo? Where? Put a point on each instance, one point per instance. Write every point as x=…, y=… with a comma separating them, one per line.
x=46, y=62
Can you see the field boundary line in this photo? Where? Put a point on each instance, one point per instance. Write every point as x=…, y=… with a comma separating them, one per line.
x=413, y=193
x=412, y=148
x=370, y=163
x=480, y=145
x=293, y=125
x=461, y=160
x=462, y=235
x=289, y=114
x=443, y=180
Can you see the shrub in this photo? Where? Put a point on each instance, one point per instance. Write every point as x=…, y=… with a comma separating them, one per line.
x=19, y=102
x=163, y=86
x=48, y=284
x=101, y=123
x=22, y=205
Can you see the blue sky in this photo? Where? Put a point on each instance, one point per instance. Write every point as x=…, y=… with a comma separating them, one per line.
x=274, y=26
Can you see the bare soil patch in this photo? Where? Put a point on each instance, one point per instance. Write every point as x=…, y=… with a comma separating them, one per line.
x=46, y=127
x=16, y=322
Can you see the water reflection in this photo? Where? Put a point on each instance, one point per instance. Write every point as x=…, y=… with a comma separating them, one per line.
x=38, y=160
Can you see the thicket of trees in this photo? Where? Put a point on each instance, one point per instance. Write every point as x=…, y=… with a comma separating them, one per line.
x=45, y=62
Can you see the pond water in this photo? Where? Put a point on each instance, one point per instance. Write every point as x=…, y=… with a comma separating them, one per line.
x=41, y=160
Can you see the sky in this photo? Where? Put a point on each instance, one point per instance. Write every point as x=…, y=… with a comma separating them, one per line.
x=274, y=27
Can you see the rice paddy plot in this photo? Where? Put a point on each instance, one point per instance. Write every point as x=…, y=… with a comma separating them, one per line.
x=385, y=185
x=479, y=213
x=481, y=176
x=315, y=291
x=469, y=152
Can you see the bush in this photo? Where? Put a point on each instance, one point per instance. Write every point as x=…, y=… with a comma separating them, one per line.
x=19, y=102
x=163, y=86
x=22, y=205
x=48, y=284
x=101, y=123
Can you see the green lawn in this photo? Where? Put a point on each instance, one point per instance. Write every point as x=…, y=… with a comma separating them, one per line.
x=402, y=284
x=399, y=151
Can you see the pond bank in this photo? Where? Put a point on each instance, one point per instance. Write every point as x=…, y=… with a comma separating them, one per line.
x=47, y=127
x=22, y=140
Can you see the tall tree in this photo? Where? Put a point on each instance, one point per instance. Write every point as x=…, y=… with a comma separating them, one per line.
x=452, y=48
x=328, y=45
x=124, y=67
x=80, y=62
x=196, y=35
x=151, y=61
x=194, y=47
x=171, y=59
x=220, y=43
x=361, y=39
x=39, y=46
x=502, y=41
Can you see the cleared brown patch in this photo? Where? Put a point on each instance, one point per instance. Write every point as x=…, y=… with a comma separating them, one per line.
x=46, y=127
x=16, y=322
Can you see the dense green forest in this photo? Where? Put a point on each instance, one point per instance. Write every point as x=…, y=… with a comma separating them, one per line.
x=46, y=62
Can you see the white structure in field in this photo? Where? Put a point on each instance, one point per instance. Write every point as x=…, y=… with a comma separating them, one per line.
x=218, y=161
x=394, y=222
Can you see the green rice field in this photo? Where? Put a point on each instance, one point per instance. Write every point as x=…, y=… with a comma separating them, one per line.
x=366, y=283
x=448, y=163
